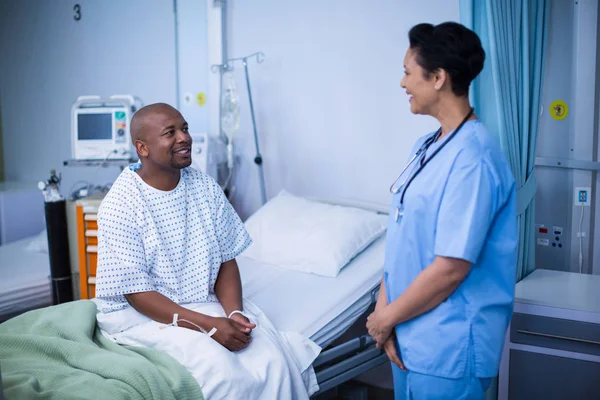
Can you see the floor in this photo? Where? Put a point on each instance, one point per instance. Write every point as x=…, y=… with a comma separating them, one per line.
x=357, y=391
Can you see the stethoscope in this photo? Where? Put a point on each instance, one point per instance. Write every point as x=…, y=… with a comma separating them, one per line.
x=420, y=154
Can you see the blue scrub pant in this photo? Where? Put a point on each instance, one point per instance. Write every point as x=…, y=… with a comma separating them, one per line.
x=414, y=386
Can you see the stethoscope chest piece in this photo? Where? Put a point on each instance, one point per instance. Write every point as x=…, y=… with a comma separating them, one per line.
x=399, y=211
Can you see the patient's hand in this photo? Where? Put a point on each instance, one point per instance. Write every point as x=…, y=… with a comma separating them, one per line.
x=230, y=334
x=245, y=322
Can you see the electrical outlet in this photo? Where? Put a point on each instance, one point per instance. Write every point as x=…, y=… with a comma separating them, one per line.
x=582, y=196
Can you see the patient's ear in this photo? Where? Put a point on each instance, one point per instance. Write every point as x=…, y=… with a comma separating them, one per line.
x=141, y=148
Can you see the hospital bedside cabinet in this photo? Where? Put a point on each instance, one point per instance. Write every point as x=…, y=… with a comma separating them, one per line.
x=552, y=347
x=86, y=212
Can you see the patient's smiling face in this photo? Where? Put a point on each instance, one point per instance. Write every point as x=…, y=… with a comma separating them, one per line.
x=163, y=139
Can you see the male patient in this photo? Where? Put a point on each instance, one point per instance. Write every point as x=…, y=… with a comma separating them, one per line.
x=167, y=276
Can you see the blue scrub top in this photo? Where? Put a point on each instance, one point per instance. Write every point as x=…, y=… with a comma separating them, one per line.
x=462, y=205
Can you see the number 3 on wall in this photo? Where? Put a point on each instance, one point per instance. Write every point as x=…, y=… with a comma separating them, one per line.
x=77, y=12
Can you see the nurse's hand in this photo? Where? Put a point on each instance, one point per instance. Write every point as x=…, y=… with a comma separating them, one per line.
x=379, y=327
x=392, y=352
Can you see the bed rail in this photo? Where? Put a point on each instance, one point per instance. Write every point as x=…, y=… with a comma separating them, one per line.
x=343, y=350
x=346, y=361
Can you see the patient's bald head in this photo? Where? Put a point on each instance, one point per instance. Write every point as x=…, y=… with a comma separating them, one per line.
x=160, y=135
x=144, y=118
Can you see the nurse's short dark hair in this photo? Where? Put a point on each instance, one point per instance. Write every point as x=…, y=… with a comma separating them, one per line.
x=449, y=46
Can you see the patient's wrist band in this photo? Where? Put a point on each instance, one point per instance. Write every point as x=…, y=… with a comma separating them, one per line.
x=237, y=312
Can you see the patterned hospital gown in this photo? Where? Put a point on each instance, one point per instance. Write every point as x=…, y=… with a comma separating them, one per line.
x=172, y=242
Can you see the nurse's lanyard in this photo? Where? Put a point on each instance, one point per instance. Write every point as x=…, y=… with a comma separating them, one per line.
x=421, y=152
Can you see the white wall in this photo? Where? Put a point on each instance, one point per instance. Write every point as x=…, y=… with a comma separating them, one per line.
x=331, y=116
x=332, y=119
x=47, y=59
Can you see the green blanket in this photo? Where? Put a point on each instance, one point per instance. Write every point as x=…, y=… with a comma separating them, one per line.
x=59, y=353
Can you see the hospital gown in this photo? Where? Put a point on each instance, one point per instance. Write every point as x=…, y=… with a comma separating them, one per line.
x=174, y=242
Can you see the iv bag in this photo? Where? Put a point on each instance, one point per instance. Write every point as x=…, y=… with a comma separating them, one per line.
x=230, y=107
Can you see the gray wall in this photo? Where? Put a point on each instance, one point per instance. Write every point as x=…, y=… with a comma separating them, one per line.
x=1, y=147
x=49, y=59
x=192, y=62
x=571, y=76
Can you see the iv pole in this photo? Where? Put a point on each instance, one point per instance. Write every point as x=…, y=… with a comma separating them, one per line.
x=228, y=66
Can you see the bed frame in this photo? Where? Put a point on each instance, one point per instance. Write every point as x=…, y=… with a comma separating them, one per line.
x=334, y=366
x=343, y=362
x=339, y=364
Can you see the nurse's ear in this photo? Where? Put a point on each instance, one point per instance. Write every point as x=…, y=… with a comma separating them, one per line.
x=440, y=77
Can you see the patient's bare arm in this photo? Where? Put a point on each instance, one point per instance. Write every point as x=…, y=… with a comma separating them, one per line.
x=228, y=289
x=160, y=308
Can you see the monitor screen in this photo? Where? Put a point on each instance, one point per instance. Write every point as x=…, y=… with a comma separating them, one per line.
x=94, y=126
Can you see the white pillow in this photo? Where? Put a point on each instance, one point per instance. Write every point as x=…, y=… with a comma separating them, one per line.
x=309, y=236
x=39, y=243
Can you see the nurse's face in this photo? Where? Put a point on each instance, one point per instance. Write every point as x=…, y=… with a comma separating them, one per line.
x=420, y=87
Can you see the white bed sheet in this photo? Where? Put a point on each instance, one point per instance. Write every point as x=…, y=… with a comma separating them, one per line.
x=24, y=278
x=317, y=307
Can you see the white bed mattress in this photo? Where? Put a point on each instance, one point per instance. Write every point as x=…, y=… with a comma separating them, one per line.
x=318, y=307
x=24, y=278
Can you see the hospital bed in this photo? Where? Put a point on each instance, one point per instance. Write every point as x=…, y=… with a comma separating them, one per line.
x=24, y=276
x=24, y=262
x=317, y=306
x=323, y=308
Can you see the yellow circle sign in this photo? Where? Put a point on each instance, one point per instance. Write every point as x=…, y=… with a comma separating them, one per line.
x=559, y=110
x=201, y=99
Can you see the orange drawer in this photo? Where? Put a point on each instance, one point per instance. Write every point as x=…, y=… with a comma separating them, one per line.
x=93, y=263
x=91, y=224
x=87, y=247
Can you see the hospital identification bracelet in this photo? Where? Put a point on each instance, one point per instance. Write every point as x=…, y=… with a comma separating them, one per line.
x=237, y=312
x=176, y=319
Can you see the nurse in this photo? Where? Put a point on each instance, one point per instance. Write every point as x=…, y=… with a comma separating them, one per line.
x=448, y=285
